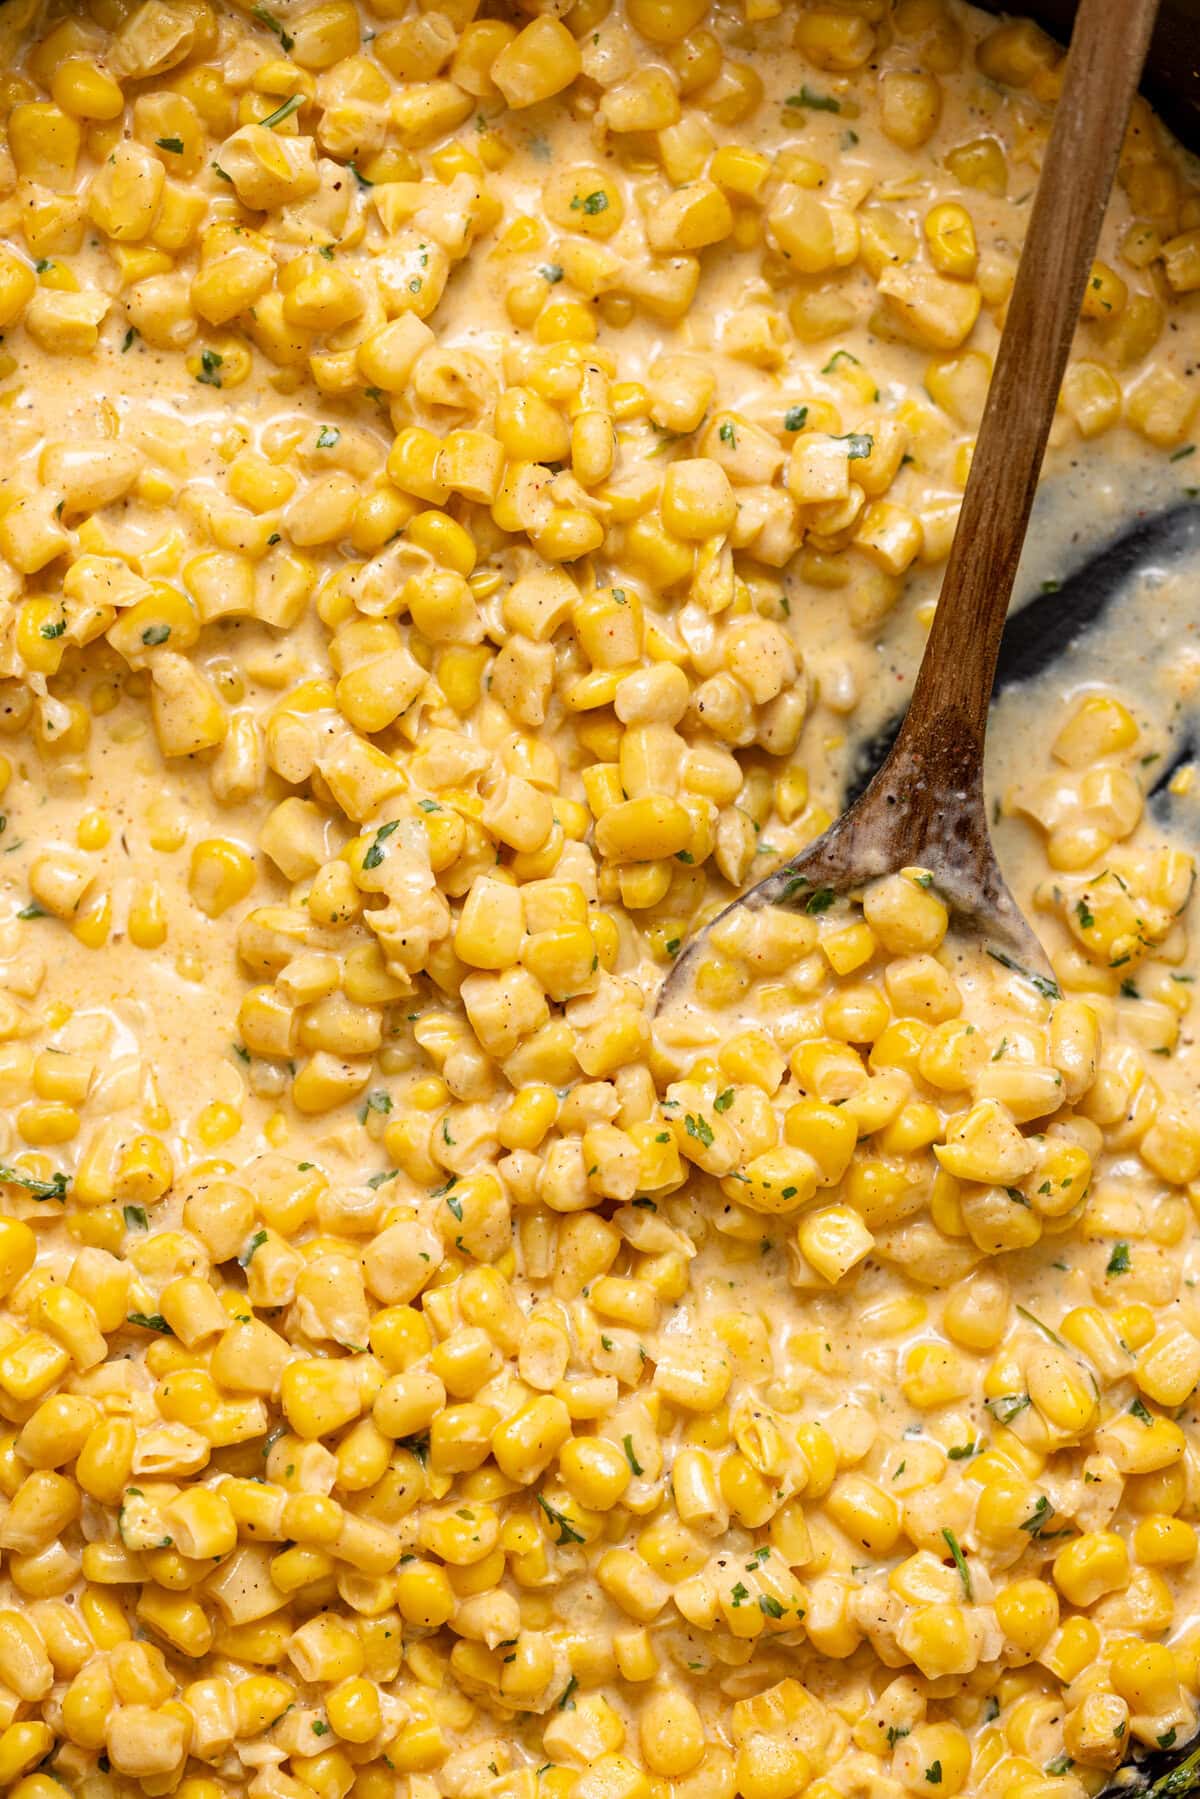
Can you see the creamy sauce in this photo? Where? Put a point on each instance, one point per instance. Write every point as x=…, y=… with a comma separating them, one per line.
x=423, y=1375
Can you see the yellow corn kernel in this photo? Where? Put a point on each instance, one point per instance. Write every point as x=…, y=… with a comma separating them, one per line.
x=220, y=875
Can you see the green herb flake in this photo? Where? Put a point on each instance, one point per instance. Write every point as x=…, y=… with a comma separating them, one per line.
x=150, y=1321
x=813, y=101
x=566, y=1531
x=210, y=368
x=697, y=1126
x=1006, y=1407
x=375, y=852
x=960, y=1562
x=627, y=1444
x=256, y=1242
x=859, y=445
x=291, y=105
x=1039, y=1517
x=272, y=24
x=54, y=1188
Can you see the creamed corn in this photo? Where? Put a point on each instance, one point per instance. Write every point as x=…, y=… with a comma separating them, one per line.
x=467, y=480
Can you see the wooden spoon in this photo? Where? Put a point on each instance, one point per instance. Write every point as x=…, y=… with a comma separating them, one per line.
x=925, y=807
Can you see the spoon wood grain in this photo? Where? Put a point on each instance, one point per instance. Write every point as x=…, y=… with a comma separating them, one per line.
x=926, y=804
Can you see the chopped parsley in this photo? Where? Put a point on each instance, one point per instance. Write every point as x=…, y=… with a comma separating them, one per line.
x=256, y=1242
x=859, y=445
x=150, y=1321
x=1039, y=1517
x=697, y=1126
x=210, y=368
x=815, y=102
x=375, y=853
x=566, y=1531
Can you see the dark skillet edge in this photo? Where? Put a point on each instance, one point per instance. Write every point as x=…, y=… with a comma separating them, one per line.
x=1160, y=1774
x=1048, y=622
x=1172, y=78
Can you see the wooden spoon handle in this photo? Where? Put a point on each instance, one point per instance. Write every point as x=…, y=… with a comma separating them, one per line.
x=950, y=699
